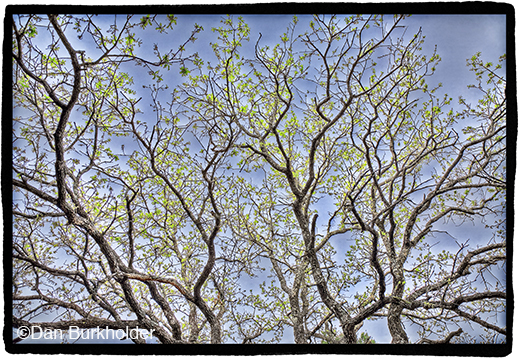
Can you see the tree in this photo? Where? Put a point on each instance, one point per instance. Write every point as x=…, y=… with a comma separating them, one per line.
x=311, y=185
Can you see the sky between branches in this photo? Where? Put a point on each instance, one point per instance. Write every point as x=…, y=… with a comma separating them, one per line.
x=457, y=37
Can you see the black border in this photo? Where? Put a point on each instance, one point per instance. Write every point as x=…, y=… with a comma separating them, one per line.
x=479, y=350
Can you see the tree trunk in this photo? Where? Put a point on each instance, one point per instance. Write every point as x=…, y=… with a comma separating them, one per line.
x=394, y=323
x=350, y=334
x=299, y=332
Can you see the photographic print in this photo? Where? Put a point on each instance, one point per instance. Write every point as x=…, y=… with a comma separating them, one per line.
x=263, y=179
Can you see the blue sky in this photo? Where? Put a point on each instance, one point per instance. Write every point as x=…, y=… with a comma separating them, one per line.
x=457, y=37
